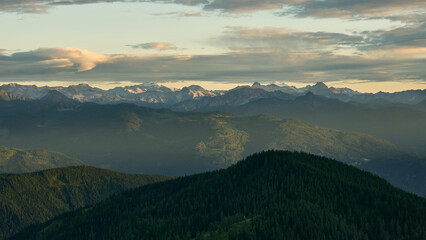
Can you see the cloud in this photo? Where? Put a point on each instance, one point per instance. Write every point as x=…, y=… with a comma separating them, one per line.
x=44, y=60
x=309, y=65
x=194, y=14
x=402, y=42
x=159, y=46
x=256, y=54
x=179, y=14
x=358, y=8
x=24, y=6
x=42, y=6
x=407, y=10
x=270, y=38
x=244, y=6
x=409, y=36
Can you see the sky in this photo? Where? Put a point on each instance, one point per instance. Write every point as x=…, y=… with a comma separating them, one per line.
x=368, y=45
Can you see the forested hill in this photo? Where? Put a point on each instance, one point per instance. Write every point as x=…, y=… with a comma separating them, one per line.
x=31, y=198
x=270, y=195
x=13, y=160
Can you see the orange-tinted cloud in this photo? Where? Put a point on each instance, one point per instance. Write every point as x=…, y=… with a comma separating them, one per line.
x=268, y=54
x=52, y=60
x=303, y=66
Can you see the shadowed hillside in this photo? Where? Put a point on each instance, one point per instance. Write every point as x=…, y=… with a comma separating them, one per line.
x=271, y=195
x=30, y=198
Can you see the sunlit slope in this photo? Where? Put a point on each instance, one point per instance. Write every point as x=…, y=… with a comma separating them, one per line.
x=400, y=124
x=14, y=160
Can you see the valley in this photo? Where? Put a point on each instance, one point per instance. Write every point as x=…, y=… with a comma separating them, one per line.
x=134, y=139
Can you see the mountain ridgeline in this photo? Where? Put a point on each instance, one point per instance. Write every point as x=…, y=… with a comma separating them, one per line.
x=402, y=125
x=134, y=139
x=31, y=198
x=156, y=95
x=269, y=195
x=398, y=117
x=14, y=160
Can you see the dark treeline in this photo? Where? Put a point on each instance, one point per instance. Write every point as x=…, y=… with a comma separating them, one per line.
x=30, y=198
x=270, y=195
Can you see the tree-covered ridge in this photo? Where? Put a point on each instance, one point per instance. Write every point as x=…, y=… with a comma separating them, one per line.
x=30, y=198
x=13, y=160
x=270, y=195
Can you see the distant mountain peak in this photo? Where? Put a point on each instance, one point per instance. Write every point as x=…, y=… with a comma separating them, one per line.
x=320, y=85
x=256, y=84
x=84, y=85
x=196, y=88
x=54, y=96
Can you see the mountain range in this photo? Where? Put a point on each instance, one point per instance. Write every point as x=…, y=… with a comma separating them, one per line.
x=155, y=95
x=30, y=198
x=398, y=117
x=145, y=94
x=270, y=195
x=153, y=129
x=135, y=139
